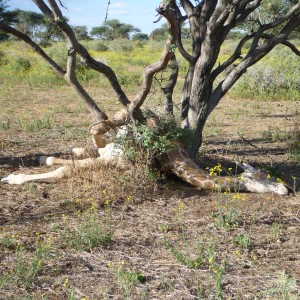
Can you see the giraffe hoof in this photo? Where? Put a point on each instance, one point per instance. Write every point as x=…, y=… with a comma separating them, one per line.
x=42, y=159
x=46, y=160
x=14, y=179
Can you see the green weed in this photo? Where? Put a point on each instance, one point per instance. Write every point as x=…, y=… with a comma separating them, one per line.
x=126, y=279
x=35, y=125
x=243, y=241
x=89, y=233
x=8, y=243
x=270, y=79
x=229, y=213
x=218, y=271
x=31, y=187
x=5, y=125
x=203, y=252
x=286, y=289
x=26, y=269
x=275, y=230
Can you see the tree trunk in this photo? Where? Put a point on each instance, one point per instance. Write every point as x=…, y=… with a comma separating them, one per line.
x=198, y=110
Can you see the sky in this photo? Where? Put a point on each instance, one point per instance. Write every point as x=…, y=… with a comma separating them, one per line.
x=139, y=13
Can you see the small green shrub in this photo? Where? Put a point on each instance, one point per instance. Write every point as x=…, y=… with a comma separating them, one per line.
x=27, y=269
x=159, y=138
x=22, y=64
x=126, y=279
x=96, y=45
x=91, y=231
x=270, y=78
x=121, y=45
x=243, y=241
x=3, y=59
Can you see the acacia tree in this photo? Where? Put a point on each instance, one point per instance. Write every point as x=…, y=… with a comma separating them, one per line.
x=112, y=29
x=29, y=22
x=6, y=17
x=206, y=82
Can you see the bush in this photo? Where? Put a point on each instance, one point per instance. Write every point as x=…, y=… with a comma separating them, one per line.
x=59, y=53
x=96, y=45
x=22, y=64
x=3, y=59
x=121, y=45
x=271, y=78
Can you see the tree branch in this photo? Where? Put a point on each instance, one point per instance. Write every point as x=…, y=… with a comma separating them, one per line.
x=169, y=88
x=292, y=47
x=57, y=17
x=246, y=8
x=292, y=15
x=256, y=53
x=187, y=6
x=168, y=11
x=180, y=20
x=236, y=55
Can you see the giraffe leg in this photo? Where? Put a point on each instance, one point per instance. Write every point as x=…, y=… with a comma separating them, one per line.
x=77, y=163
x=109, y=156
x=62, y=172
x=85, y=152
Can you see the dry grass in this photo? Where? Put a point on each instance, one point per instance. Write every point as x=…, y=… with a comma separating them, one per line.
x=138, y=263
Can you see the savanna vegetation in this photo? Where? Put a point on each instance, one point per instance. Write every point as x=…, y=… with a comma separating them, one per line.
x=133, y=235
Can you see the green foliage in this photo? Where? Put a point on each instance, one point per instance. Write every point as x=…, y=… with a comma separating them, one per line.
x=8, y=243
x=275, y=230
x=81, y=32
x=126, y=279
x=243, y=241
x=286, y=289
x=121, y=45
x=58, y=52
x=38, y=124
x=114, y=29
x=159, y=34
x=160, y=137
x=6, y=17
x=140, y=37
x=26, y=270
x=204, y=251
x=96, y=45
x=5, y=124
x=228, y=218
x=90, y=233
x=29, y=22
x=22, y=64
x=270, y=79
x=267, y=12
x=228, y=215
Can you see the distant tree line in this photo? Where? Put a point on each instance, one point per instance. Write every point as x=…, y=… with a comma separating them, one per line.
x=41, y=30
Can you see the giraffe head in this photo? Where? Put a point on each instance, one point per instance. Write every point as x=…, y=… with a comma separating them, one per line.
x=258, y=181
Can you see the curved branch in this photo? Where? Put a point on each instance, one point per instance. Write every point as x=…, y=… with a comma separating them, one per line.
x=292, y=47
x=180, y=20
x=256, y=53
x=169, y=88
x=236, y=55
x=106, y=71
x=187, y=6
x=57, y=17
x=246, y=8
x=168, y=11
